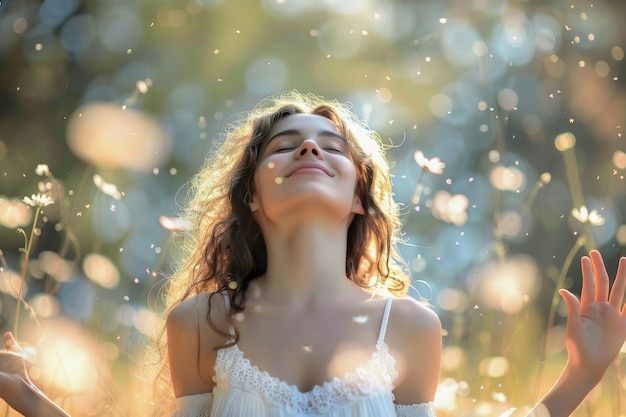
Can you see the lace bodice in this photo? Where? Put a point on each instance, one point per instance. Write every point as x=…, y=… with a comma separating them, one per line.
x=244, y=390
x=375, y=377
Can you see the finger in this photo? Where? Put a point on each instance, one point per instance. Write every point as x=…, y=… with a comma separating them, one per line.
x=588, y=292
x=600, y=275
x=11, y=344
x=573, y=305
x=619, y=285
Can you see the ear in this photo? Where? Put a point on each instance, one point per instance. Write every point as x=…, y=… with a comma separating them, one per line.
x=357, y=207
x=254, y=205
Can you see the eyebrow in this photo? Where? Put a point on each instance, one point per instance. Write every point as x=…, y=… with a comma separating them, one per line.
x=297, y=132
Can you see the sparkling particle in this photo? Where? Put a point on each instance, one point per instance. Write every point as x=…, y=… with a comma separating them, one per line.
x=360, y=319
x=42, y=170
x=278, y=180
x=307, y=348
x=271, y=165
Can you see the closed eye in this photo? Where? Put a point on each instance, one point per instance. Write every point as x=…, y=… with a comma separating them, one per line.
x=284, y=149
x=334, y=150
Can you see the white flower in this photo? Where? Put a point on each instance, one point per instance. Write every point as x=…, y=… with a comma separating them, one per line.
x=585, y=216
x=38, y=200
x=42, y=170
x=434, y=165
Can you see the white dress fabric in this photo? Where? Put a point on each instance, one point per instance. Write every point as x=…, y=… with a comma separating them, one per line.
x=243, y=390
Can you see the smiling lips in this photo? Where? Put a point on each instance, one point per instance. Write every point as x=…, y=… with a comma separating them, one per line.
x=308, y=169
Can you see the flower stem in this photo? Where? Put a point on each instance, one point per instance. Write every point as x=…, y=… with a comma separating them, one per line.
x=28, y=248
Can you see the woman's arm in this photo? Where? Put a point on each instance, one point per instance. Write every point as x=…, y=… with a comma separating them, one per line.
x=190, y=355
x=415, y=339
x=595, y=333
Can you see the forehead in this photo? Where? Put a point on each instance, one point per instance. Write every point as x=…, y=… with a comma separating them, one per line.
x=304, y=123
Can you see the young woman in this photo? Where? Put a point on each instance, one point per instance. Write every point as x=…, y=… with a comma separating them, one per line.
x=292, y=301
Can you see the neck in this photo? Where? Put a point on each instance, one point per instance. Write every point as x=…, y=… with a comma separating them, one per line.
x=306, y=264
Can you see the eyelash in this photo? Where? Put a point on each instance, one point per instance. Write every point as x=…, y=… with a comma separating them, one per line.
x=290, y=148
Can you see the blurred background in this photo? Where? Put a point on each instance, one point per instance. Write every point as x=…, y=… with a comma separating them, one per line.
x=504, y=125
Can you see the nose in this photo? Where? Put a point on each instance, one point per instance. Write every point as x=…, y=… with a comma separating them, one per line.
x=306, y=147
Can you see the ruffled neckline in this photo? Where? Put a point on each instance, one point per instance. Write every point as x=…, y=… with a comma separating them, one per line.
x=376, y=376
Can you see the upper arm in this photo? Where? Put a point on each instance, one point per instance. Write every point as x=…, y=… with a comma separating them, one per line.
x=190, y=342
x=417, y=343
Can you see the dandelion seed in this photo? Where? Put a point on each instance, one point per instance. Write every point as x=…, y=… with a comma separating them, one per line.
x=174, y=224
x=107, y=187
x=38, y=200
x=434, y=165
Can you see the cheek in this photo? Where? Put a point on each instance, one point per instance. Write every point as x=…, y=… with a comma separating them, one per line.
x=266, y=176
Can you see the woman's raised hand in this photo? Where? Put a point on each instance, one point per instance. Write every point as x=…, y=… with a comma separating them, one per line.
x=17, y=389
x=596, y=325
x=12, y=369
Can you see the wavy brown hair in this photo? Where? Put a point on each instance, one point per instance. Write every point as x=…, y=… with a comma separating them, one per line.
x=224, y=250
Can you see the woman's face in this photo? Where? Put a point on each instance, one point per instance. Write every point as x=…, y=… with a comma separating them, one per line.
x=305, y=168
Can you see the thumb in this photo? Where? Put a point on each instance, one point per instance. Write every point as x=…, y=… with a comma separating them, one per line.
x=11, y=344
x=573, y=305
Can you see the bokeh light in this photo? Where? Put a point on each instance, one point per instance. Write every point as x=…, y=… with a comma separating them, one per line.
x=112, y=137
x=516, y=109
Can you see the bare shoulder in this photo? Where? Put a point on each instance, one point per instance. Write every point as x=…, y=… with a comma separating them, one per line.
x=186, y=314
x=412, y=318
x=191, y=340
x=416, y=342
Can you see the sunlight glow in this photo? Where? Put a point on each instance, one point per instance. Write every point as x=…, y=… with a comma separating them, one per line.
x=110, y=137
x=68, y=364
x=101, y=270
x=14, y=213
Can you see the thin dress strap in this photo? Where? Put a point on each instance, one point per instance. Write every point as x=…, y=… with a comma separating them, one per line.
x=383, y=325
x=231, y=329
